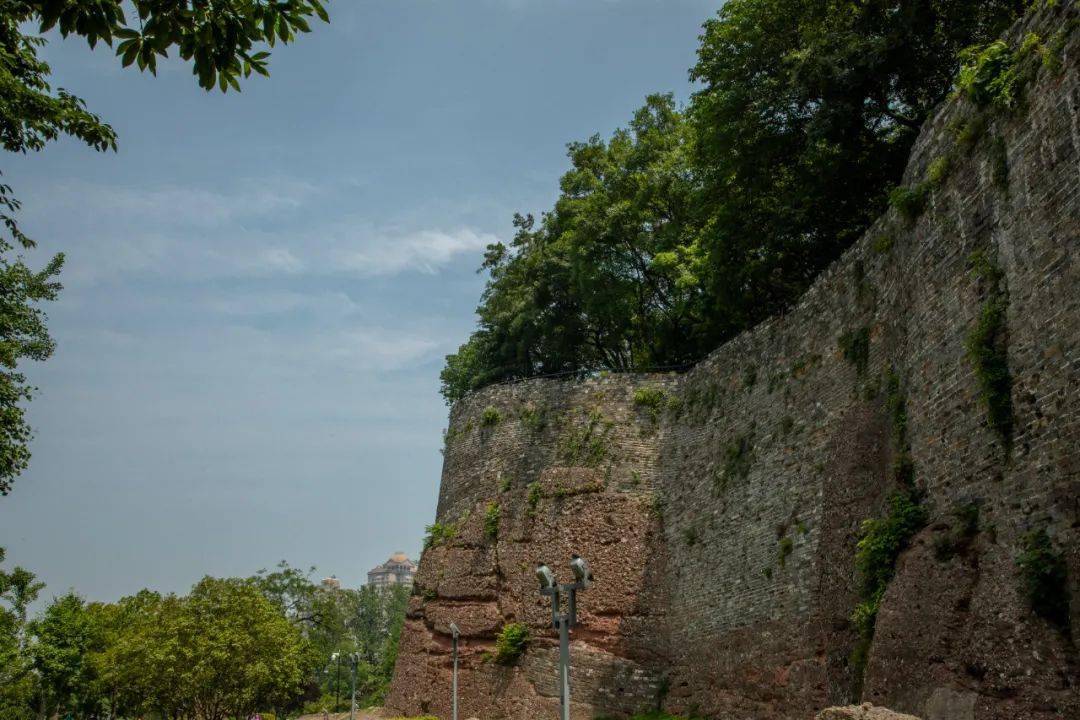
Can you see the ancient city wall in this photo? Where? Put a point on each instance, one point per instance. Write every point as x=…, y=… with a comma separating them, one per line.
x=720, y=508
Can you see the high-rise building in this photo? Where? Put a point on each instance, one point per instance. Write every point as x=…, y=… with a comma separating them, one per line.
x=398, y=570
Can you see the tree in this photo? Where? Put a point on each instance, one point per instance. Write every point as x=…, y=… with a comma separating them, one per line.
x=806, y=119
x=243, y=654
x=366, y=621
x=222, y=40
x=63, y=638
x=19, y=688
x=149, y=663
x=683, y=230
x=609, y=277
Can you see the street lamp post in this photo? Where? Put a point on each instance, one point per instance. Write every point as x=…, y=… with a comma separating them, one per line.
x=454, y=630
x=336, y=659
x=355, y=658
x=563, y=621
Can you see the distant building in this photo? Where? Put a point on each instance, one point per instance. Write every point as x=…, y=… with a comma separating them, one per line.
x=398, y=570
x=331, y=583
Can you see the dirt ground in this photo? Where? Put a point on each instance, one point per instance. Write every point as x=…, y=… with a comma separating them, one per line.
x=364, y=714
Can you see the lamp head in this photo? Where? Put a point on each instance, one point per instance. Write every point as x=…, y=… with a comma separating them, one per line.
x=545, y=576
x=580, y=568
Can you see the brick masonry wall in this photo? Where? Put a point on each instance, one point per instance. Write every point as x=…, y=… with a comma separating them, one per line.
x=722, y=523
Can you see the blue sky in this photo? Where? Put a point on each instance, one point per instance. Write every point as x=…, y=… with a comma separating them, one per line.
x=260, y=287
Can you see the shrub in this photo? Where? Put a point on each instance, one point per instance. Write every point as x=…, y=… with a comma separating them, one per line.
x=1045, y=578
x=909, y=201
x=490, y=417
x=987, y=74
x=786, y=547
x=505, y=483
x=775, y=381
x=855, y=345
x=511, y=643
x=652, y=400
x=884, y=243
x=690, y=536
x=960, y=534
x=587, y=444
x=532, y=418
x=880, y=545
x=738, y=459
x=968, y=130
x=749, y=376
x=439, y=533
x=938, y=170
x=999, y=163
x=987, y=350
x=533, y=498
x=903, y=467
x=1052, y=57
x=491, y=521
x=994, y=75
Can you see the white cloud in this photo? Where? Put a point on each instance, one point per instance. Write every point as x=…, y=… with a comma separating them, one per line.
x=239, y=303
x=254, y=229
x=425, y=250
x=280, y=259
x=175, y=205
x=380, y=348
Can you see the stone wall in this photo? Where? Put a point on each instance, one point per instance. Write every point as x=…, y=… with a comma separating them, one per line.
x=720, y=508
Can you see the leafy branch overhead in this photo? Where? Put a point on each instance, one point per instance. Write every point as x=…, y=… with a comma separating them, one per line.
x=219, y=38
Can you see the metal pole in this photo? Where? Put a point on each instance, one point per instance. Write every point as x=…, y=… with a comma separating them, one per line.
x=352, y=710
x=564, y=665
x=455, y=675
x=337, y=686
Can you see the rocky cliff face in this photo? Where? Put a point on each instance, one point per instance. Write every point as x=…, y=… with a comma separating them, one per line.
x=721, y=508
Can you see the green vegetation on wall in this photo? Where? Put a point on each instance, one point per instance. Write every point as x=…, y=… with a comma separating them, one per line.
x=586, y=443
x=961, y=532
x=490, y=417
x=785, y=546
x=491, y=521
x=438, y=534
x=882, y=540
x=651, y=400
x=996, y=75
x=737, y=461
x=1045, y=578
x=533, y=418
x=988, y=351
x=534, y=495
x=511, y=643
x=855, y=345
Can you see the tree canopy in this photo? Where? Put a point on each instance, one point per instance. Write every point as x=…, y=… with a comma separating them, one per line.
x=230, y=648
x=691, y=225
